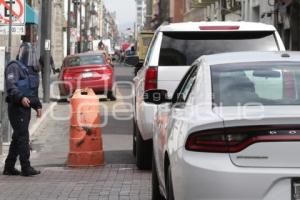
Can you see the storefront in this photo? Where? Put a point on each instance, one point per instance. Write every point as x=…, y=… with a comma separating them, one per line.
x=31, y=26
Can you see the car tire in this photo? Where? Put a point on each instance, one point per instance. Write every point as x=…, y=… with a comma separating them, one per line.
x=62, y=97
x=143, y=152
x=111, y=95
x=169, y=185
x=134, y=138
x=155, y=184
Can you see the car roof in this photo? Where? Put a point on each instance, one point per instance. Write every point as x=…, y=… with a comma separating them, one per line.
x=251, y=56
x=195, y=26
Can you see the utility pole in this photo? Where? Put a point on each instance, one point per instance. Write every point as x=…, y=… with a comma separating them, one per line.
x=76, y=21
x=46, y=44
x=223, y=8
x=69, y=29
x=276, y=13
x=295, y=29
x=80, y=26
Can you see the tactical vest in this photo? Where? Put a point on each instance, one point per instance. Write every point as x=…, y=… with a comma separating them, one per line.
x=30, y=83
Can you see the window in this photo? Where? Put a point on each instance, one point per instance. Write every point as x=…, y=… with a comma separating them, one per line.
x=183, y=48
x=260, y=83
x=185, y=86
x=150, y=49
x=85, y=60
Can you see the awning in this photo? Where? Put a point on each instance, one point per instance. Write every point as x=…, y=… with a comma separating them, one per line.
x=31, y=15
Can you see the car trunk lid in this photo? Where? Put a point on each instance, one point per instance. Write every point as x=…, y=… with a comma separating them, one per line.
x=271, y=137
x=89, y=72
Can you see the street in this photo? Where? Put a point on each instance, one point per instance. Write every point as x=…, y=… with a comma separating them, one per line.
x=117, y=179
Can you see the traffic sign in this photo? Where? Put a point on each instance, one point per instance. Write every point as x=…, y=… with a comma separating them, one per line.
x=18, y=16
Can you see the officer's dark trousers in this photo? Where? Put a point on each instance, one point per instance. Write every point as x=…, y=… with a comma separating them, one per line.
x=19, y=118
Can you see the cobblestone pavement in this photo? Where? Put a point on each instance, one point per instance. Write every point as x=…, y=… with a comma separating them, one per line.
x=118, y=179
x=110, y=182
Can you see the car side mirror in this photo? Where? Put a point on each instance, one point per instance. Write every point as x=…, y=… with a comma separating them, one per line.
x=156, y=96
x=132, y=60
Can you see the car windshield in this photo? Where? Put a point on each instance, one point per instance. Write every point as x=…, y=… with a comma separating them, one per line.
x=85, y=60
x=183, y=48
x=256, y=84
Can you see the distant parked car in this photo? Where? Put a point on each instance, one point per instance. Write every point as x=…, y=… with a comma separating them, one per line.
x=173, y=49
x=92, y=70
x=231, y=130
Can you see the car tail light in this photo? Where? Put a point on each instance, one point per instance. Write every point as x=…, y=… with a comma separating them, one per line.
x=218, y=28
x=151, y=78
x=67, y=75
x=104, y=70
x=233, y=140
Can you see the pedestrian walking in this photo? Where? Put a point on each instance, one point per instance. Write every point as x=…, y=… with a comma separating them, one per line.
x=52, y=65
x=22, y=82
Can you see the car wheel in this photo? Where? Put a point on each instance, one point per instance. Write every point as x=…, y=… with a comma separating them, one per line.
x=134, y=138
x=143, y=152
x=169, y=185
x=155, y=184
x=62, y=97
x=111, y=95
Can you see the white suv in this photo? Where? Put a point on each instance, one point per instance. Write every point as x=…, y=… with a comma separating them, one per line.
x=173, y=49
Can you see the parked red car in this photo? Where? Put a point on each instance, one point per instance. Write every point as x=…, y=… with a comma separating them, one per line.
x=87, y=70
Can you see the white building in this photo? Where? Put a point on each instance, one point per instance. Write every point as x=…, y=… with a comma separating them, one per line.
x=141, y=13
x=257, y=11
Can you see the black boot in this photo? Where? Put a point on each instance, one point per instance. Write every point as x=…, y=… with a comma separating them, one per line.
x=11, y=171
x=29, y=171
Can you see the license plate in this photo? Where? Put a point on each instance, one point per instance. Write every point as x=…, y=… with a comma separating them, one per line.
x=87, y=75
x=296, y=189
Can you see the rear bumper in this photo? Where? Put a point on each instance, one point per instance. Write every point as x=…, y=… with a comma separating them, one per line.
x=206, y=176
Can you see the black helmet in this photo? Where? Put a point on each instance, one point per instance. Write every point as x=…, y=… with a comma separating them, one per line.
x=27, y=55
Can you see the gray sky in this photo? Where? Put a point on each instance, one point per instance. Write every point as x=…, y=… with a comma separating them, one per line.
x=126, y=12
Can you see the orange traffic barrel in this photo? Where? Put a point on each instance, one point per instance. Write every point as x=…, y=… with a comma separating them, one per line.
x=86, y=146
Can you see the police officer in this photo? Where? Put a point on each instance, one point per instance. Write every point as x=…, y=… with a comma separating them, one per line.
x=22, y=82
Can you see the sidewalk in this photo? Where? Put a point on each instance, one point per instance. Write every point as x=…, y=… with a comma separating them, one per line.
x=34, y=122
x=33, y=126
x=50, y=149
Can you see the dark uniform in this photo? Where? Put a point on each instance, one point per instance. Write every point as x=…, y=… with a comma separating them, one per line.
x=22, y=81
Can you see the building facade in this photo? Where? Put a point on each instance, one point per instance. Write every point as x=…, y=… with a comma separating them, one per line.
x=141, y=14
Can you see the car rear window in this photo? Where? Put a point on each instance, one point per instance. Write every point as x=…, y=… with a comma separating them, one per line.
x=85, y=60
x=183, y=48
x=267, y=83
